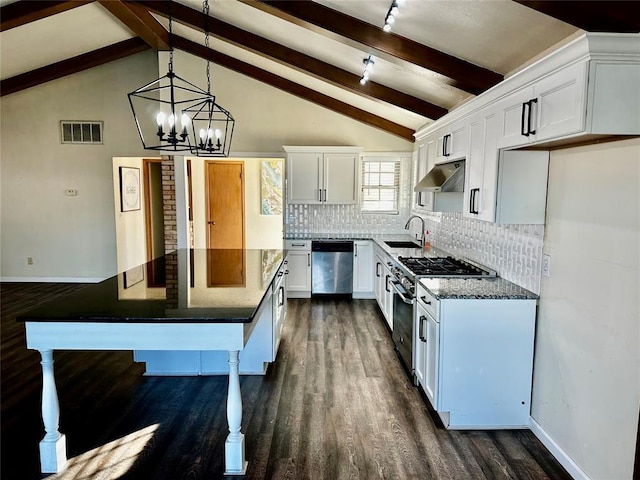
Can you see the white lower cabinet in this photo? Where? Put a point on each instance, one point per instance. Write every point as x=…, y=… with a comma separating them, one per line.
x=362, y=267
x=299, y=266
x=254, y=358
x=474, y=359
x=382, y=287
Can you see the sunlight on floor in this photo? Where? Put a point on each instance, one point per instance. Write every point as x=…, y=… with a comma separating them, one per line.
x=109, y=461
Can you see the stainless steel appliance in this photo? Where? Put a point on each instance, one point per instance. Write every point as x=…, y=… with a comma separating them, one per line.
x=405, y=271
x=331, y=267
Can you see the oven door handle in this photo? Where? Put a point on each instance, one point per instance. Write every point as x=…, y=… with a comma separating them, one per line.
x=408, y=301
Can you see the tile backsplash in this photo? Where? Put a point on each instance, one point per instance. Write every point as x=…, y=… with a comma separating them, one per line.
x=514, y=251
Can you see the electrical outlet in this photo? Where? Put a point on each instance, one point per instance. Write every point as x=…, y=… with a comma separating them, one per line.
x=71, y=192
x=546, y=265
x=29, y=260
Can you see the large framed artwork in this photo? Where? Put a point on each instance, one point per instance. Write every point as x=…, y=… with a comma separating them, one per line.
x=129, y=189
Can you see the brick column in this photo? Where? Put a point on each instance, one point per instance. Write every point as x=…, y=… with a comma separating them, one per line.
x=169, y=204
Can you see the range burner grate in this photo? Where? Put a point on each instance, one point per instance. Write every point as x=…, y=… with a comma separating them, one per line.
x=442, y=266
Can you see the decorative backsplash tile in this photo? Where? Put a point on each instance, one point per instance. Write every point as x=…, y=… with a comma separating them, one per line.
x=514, y=251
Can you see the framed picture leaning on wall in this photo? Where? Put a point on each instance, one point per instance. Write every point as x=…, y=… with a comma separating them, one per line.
x=129, y=189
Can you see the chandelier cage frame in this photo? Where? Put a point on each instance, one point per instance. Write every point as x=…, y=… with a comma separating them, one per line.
x=210, y=124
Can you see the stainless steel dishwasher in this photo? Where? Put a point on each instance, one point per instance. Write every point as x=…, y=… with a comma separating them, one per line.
x=331, y=267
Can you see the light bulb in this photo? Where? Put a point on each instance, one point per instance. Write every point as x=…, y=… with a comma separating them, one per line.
x=387, y=27
x=184, y=120
x=210, y=133
x=171, y=120
x=160, y=118
x=218, y=134
x=394, y=10
x=203, y=135
x=369, y=66
x=390, y=19
x=363, y=81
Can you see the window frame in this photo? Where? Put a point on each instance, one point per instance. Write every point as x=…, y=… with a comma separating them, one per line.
x=396, y=187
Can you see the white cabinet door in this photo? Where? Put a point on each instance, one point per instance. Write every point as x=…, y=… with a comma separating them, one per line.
x=553, y=107
x=451, y=144
x=362, y=268
x=514, y=119
x=482, y=166
x=304, y=177
x=299, y=277
x=426, y=161
x=420, y=346
x=560, y=103
x=341, y=178
x=388, y=297
x=431, y=359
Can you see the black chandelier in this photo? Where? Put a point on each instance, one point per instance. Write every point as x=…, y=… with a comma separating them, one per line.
x=170, y=110
x=212, y=124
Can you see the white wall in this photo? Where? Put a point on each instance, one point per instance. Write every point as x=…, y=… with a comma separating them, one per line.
x=586, y=388
x=69, y=238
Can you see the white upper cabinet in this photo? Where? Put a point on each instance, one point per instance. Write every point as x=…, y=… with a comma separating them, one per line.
x=323, y=175
x=426, y=154
x=553, y=107
x=452, y=142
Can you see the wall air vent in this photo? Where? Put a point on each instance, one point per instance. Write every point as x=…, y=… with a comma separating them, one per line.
x=87, y=133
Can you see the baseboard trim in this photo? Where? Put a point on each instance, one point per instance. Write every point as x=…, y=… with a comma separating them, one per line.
x=51, y=279
x=565, y=460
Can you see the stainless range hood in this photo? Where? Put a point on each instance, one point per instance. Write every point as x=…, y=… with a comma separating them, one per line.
x=445, y=177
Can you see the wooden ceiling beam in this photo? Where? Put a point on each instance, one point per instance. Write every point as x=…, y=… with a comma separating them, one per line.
x=293, y=88
x=23, y=12
x=72, y=65
x=465, y=75
x=294, y=59
x=594, y=16
x=140, y=21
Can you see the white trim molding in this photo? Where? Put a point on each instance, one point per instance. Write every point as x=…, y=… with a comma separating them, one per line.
x=563, y=458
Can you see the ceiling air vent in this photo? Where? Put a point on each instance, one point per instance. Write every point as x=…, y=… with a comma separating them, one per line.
x=81, y=132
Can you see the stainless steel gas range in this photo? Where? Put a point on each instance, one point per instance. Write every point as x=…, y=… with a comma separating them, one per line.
x=406, y=271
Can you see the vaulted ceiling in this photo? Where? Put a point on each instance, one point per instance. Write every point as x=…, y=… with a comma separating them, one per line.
x=438, y=54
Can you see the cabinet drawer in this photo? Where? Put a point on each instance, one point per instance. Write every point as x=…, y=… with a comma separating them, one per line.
x=298, y=244
x=427, y=301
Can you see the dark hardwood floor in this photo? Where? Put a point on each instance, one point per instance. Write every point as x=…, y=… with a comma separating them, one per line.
x=335, y=405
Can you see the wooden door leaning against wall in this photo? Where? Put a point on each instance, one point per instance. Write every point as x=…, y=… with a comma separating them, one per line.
x=225, y=223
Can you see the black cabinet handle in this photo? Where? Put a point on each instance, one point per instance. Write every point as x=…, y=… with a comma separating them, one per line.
x=386, y=284
x=308, y=259
x=424, y=299
x=378, y=269
x=522, y=117
x=472, y=200
x=421, y=328
x=297, y=244
x=355, y=249
x=531, y=102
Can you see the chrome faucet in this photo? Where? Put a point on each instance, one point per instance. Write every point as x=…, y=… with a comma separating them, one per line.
x=406, y=227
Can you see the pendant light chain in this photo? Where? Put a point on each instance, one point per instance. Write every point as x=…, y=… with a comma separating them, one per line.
x=205, y=11
x=170, y=39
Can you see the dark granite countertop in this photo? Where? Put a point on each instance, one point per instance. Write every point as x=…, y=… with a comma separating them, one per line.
x=442, y=288
x=201, y=286
x=476, y=288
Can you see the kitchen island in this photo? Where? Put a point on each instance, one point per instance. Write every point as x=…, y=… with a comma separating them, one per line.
x=122, y=313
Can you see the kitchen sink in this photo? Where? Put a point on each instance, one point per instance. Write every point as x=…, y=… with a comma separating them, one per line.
x=402, y=244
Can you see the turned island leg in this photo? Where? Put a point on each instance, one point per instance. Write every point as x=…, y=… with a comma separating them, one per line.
x=235, y=464
x=53, y=450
